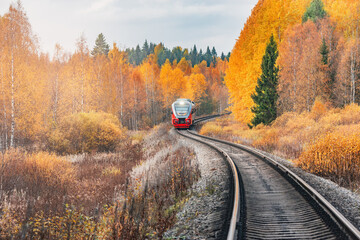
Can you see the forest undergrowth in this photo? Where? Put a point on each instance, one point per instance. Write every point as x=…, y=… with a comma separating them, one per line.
x=324, y=141
x=131, y=193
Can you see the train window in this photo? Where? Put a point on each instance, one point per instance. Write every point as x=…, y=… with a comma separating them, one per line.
x=181, y=111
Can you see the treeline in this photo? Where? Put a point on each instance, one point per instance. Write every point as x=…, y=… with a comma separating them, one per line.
x=318, y=55
x=37, y=94
x=139, y=54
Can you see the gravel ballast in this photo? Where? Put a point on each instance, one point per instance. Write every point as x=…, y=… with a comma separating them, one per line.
x=210, y=195
x=344, y=200
x=205, y=213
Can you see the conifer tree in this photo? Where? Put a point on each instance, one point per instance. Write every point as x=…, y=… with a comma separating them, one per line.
x=223, y=56
x=101, y=47
x=324, y=51
x=145, y=49
x=138, y=55
x=228, y=56
x=315, y=11
x=201, y=56
x=194, y=56
x=265, y=96
x=208, y=56
x=213, y=52
x=214, y=55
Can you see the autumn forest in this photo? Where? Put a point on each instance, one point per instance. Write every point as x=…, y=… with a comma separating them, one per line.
x=137, y=86
x=85, y=136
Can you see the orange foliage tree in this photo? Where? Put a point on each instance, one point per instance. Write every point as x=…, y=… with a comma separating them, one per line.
x=195, y=87
x=171, y=83
x=302, y=76
x=268, y=17
x=37, y=93
x=23, y=80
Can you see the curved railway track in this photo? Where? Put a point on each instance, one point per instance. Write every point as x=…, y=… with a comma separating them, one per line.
x=271, y=202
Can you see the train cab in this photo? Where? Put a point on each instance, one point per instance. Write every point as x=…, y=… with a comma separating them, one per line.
x=183, y=111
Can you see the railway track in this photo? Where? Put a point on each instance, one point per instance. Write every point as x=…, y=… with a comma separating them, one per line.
x=202, y=119
x=271, y=202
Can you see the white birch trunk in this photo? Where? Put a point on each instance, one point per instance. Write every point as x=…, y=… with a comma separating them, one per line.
x=12, y=133
x=5, y=144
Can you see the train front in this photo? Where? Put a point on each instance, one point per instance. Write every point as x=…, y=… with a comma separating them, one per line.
x=182, y=113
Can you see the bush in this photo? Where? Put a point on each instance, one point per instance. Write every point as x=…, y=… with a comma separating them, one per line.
x=96, y=196
x=335, y=156
x=211, y=129
x=39, y=177
x=86, y=132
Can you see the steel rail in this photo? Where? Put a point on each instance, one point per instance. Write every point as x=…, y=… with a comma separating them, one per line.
x=200, y=119
x=333, y=213
x=238, y=188
x=205, y=118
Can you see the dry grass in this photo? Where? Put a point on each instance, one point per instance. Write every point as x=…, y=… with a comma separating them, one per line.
x=336, y=156
x=96, y=196
x=309, y=139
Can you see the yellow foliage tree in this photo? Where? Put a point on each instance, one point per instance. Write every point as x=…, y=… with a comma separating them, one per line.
x=276, y=17
x=267, y=18
x=171, y=84
x=195, y=87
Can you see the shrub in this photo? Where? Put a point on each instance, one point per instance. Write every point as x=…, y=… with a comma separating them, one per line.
x=211, y=129
x=269, y=140
x=86, y=132
x=94, y=196
x=43, y=178
x=335, y=156
x=319, y=109
x=307, y=135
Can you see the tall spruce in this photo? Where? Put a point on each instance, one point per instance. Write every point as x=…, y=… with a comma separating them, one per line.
x=101, y=47
x=265, y=96
x=145, y=49
x=324, y=51
x=315, y=11
x=208, y=56
x=214, y=56
x=194, y=56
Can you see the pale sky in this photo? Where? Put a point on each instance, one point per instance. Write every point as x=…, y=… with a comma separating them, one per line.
x=129, y=22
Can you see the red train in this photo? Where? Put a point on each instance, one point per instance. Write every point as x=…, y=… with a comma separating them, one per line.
x=183, y=113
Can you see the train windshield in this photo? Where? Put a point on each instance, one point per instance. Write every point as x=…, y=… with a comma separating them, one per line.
x=181, y=110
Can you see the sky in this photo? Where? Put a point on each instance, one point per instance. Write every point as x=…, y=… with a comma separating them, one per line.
x=182, y=23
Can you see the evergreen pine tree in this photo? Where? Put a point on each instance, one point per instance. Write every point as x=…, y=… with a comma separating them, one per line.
x=213, y=52
x=152, y=47
x=214, y=56
x=194, y=56
x=315, y=11
x=222, y=56
x=101, y=47
x=324, y=51
x=266, y=95
x=145, y=49
x=208, y=57
x=177, y=53
x=201, y=56
x=138, y=56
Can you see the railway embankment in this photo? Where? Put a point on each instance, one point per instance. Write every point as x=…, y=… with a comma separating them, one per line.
x=204, y=214
x=345, y=200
